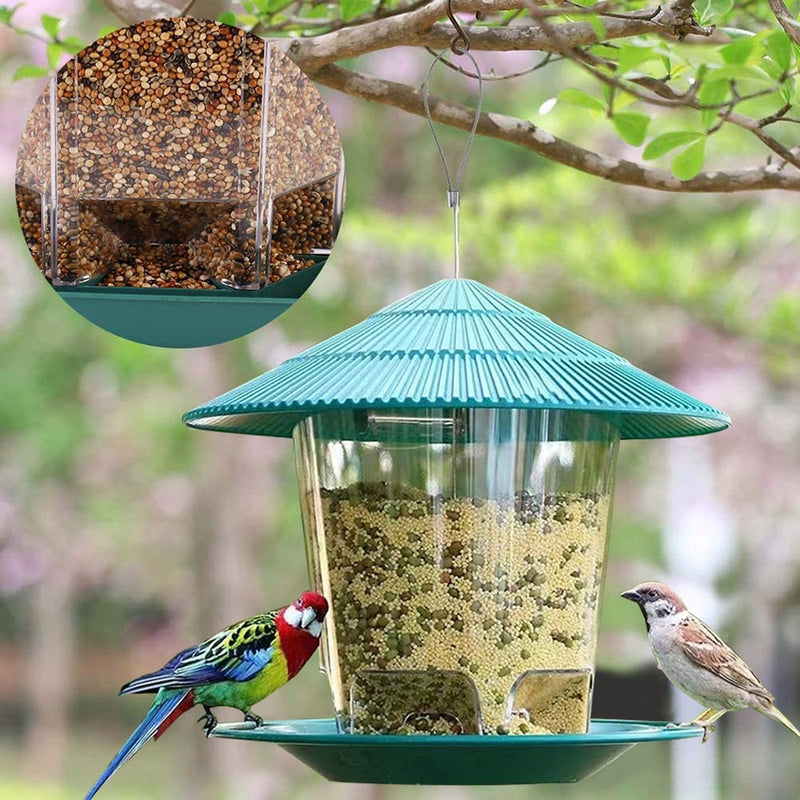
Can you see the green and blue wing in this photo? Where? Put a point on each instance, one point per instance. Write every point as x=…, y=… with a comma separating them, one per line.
x=237, y=653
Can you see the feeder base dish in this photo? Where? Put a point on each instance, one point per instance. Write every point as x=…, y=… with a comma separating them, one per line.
x=185, y=317
x=455, y=760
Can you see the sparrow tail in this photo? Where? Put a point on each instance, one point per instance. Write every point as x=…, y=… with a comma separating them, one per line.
x=166, y=708
x=773, y=713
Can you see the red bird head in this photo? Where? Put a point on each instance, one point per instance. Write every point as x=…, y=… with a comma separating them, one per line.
x=307, y=613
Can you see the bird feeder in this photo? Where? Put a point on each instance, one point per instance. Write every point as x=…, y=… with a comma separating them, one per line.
x=179, y=156
x=456, y=456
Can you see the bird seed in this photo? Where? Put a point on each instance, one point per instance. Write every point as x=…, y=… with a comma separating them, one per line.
x=159, y=146
x=491, y=606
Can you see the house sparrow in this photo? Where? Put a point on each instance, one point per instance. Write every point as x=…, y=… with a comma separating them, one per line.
x=697, y=661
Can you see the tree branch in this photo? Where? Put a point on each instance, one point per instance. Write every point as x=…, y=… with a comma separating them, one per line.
x=527, y=135
x=418, y=29
x=786, y=20
x=379, y=34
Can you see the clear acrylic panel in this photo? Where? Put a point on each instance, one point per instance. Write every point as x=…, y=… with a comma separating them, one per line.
x=172, y=140
x=462, y=541
x=156, y=127
x=304, y=223
x=32, y=179
x=302, y=142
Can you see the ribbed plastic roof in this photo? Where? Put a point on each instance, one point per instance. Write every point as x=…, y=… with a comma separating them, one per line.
x=458, y=343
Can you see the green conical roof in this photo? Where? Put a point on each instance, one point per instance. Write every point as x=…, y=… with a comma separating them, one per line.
x=458, y=344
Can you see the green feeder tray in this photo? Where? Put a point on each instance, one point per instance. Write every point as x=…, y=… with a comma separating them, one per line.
x=455, y=760
x=186, y=317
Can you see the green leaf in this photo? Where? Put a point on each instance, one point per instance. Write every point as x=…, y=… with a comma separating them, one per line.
x=631, y=57
x=739, y=72
x=72, y=44
x=735, y=33
x=597, y=24
x=712, y=94
x=318, y=11
x=51, y=25
x=576, y=97
x=269, y=6
x=54, y=53
x=779, y=48
x=29, y=71
x=227, y=18
x=788, y=91
x=605, y=51
x=354, y=8
x=7, y=13
x=739, y=51
x=667, y=142
x=631, y=126
x=688, y=163
x=710, y=9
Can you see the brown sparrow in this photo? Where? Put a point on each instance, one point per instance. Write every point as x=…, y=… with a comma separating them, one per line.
x=697, y=661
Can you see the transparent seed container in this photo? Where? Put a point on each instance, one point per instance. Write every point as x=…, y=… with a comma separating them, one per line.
x=33, y=180
x=169, y=151
x=463, y=552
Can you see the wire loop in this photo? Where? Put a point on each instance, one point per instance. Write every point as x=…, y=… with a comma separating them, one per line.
x=453, y=187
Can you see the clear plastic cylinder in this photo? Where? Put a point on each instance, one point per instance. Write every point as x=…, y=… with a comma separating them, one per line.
x=463, y=552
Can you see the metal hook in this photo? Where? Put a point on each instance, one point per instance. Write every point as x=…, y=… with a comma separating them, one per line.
x=459, y=44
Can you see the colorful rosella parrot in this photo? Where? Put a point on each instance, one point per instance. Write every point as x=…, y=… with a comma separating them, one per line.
x=237, y=667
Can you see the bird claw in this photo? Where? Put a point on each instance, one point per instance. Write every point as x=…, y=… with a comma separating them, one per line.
x=706, y=730
x=254, y=719
x=209, y=724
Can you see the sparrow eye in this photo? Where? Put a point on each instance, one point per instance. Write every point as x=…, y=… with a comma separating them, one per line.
x=652, y=594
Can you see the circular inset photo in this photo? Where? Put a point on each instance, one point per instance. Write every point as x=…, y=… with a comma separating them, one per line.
x=180, y=182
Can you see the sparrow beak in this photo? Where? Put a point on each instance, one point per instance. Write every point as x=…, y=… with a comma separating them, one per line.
x=632, y=594
x=308, y=616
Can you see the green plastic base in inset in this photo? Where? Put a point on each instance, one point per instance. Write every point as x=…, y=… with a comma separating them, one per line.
x=186, y=317
x=459, y=760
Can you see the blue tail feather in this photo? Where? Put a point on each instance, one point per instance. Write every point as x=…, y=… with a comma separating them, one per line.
x=165, y=704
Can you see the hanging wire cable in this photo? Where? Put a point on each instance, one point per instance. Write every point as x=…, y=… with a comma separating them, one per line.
x=454, y=188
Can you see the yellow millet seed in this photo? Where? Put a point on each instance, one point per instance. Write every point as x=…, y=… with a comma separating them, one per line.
x=443, y=606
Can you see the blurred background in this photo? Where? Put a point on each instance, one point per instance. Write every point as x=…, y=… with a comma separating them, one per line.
x=125, y=536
